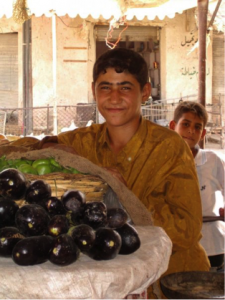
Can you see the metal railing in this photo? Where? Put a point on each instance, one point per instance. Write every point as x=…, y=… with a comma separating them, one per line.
x=39, y=120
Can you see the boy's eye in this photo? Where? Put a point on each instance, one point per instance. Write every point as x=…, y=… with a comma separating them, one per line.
x=104, y=87
x=125, y=88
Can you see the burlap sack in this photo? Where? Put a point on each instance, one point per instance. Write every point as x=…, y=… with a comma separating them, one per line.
x=137, y=211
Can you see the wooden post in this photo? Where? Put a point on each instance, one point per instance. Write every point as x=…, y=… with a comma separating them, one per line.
x=202, y=32
x=54, y=72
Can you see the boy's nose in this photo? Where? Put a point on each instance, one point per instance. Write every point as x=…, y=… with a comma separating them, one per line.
x=114, y=95
x=191, y=130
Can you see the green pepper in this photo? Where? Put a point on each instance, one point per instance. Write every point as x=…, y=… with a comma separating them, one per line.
x=4, y=167
x=3, y=164
x=43, y=169
x=56, y=169
x=28, y=169
x=75, y=171
x=40, y=161
x=55, y=163
x=20, y=162
x=11, y=162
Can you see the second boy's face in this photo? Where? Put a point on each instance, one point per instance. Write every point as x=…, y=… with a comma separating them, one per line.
x=190, y=127
x=119, y=97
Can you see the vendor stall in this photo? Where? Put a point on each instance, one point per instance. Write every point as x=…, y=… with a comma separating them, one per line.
x=88, y=278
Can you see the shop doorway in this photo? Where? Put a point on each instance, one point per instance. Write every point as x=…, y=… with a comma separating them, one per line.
x=143, y=39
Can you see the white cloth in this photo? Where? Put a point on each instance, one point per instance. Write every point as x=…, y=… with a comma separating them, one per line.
x=90, y=279
x=210, y=170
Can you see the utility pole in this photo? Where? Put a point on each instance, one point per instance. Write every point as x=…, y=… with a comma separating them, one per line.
x=202, y=33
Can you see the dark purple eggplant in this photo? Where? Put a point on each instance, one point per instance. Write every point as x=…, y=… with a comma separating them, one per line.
x=64, y=251
x=13, y=184
x=8, y=209
x=38, y=192
x=130, y=239
x=54, y=206
x=106, y=246
x=83, y=235
x=73, y=201
x=58, y=224
x=95, y=214
x=32, y=250
x=116, y=217
x=32, y=220
x=9, y=237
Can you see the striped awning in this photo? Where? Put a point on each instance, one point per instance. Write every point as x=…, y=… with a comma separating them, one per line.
x=101, y=8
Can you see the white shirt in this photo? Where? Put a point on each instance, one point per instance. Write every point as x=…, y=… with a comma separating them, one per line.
x=210, y=170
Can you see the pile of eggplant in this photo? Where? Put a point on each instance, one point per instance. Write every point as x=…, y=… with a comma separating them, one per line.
x=47, y=228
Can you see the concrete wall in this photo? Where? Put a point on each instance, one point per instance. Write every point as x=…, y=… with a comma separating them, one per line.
x=8, y=26
x=76, y=55
x=72, y=61
x=179, y=68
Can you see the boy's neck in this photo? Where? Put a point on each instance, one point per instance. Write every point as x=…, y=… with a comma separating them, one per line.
x=194, y=151
x=120, y=136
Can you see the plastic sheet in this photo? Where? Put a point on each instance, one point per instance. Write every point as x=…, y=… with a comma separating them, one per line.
x=90, y=279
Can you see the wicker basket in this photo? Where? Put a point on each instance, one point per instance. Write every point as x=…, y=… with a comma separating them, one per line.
x=92, y=186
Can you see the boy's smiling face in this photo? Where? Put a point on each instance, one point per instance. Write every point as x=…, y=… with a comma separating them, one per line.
x=119, y=97
x=190, y=127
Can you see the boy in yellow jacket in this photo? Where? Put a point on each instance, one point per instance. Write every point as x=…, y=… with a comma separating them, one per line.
x=155, y=162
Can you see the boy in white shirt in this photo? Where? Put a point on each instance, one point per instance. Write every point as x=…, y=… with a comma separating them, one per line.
x=189, y=122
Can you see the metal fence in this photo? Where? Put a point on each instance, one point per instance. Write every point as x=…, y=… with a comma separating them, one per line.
x=39, y=120
x=161, y=111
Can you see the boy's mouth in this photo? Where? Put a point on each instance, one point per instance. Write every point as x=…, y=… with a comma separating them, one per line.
x=187, y=138
x=114, y=109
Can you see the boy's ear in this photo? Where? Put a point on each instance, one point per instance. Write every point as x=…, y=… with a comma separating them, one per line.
x=146, y=92
x=93, y=90
x=172, y=125
x=203, y=134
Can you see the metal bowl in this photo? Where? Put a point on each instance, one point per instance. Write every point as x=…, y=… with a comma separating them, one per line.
x=193, y=285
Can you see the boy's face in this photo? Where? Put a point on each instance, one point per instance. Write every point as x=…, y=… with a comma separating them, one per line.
x=190, y=127
x=119, y=97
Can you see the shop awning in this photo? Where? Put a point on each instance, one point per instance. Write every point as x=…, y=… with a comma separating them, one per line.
x=102, y=8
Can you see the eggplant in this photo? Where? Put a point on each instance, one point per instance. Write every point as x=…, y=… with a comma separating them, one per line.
x=116, y=217
x=9, y=237
x=13, y=184
x=73, y=201
x=32, y=220
x=8, y=209
x=106, y=246
x=64, y=251
x=95, y=214
x=130, y=239
x=83, y=235
x=58, y=224
x=54, y=206
x=32, y=250
x=38, y=192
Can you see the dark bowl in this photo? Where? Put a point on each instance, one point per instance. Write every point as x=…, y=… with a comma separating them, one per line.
x=193, y=285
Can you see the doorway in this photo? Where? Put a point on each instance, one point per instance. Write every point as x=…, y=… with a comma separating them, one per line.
x=143, y=39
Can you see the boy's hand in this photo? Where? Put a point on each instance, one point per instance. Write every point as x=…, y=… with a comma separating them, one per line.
x=116, y=174
x=221, y=212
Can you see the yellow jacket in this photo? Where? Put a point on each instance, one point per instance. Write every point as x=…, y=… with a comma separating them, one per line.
x=159, y=168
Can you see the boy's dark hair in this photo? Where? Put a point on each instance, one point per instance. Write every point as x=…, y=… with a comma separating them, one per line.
x=193, y=107
x=122, y=59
